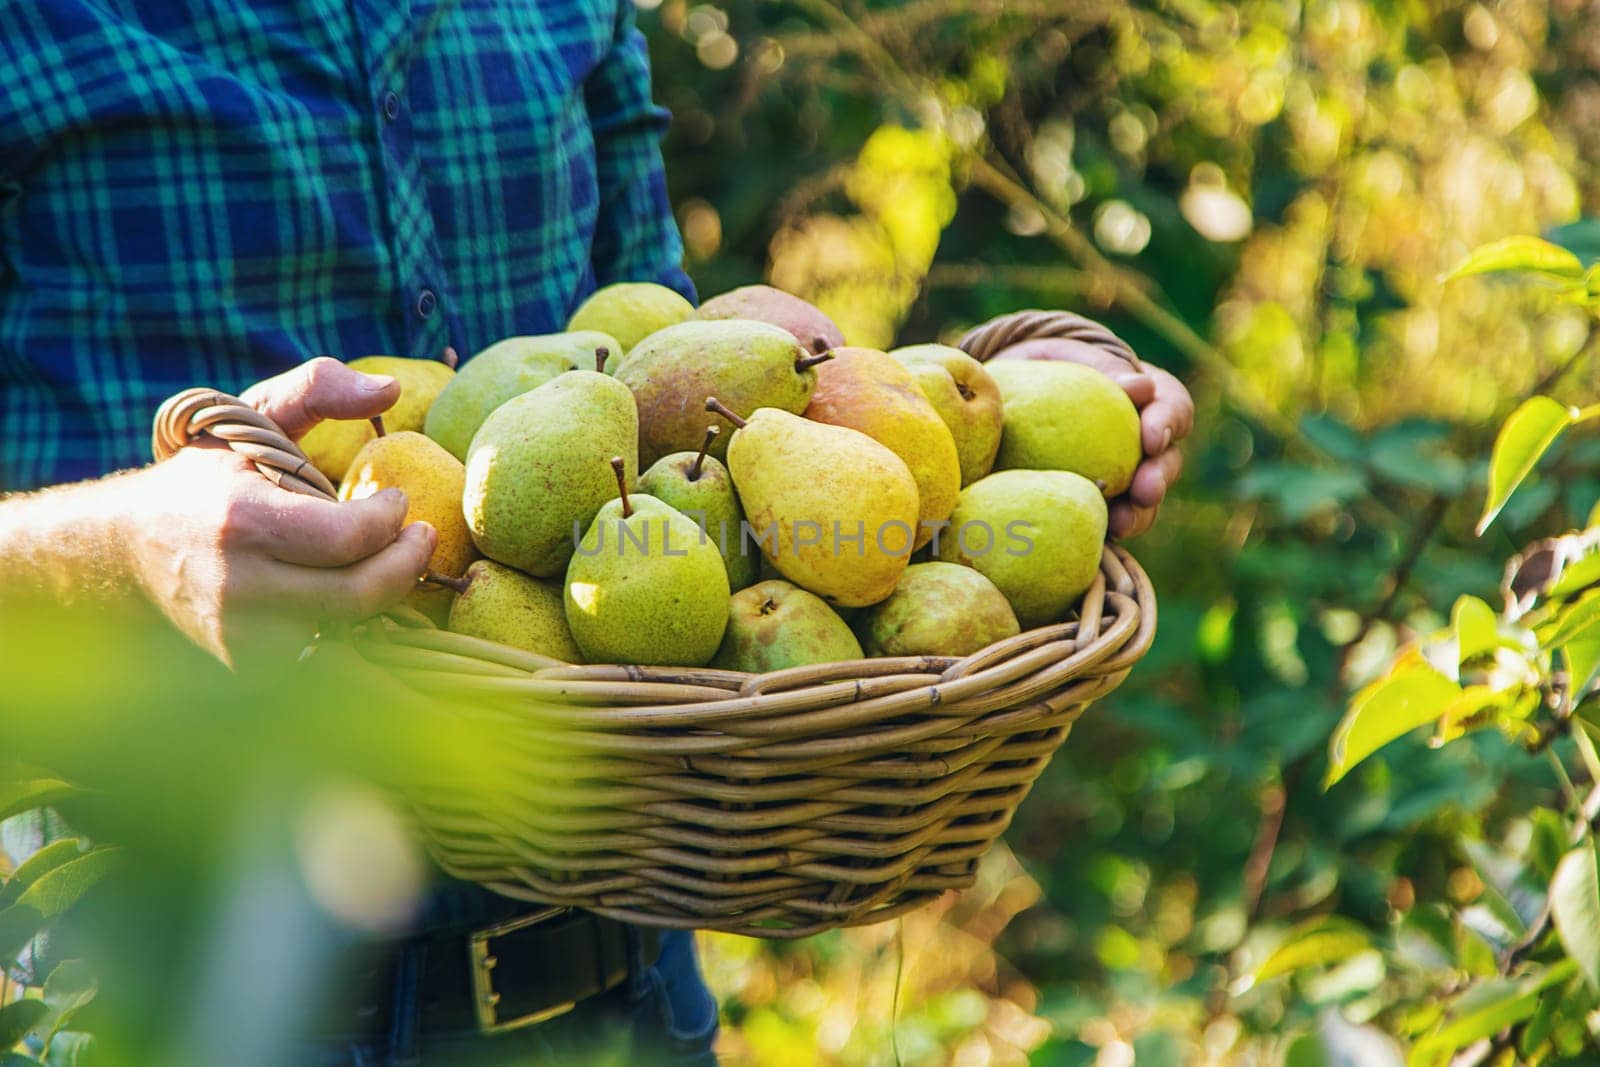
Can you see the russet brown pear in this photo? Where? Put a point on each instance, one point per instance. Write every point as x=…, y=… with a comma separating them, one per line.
x=873, y=393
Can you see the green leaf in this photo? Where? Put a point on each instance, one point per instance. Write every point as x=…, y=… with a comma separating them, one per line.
x=1521, y=254
x=1476, y=627
x=56, y=891
x=25, y=788
x=34, y=867
x=1574, y=621
x=1583, y=662
x=1411, y=695
x=1577, y=576
x=1335, y=438
x=1312, y=944
x=1483, y=1011
x=1526, y=436
x=17, y=1059
x=1477, y=706
x=1575, y=909
x=1414, y=453
x=70, y=986
x=18, y=1018
x=1581, y=238
x=1302, y=491
x=1510, y=892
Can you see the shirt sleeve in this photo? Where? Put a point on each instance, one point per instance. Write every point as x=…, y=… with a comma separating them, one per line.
x=636, y=237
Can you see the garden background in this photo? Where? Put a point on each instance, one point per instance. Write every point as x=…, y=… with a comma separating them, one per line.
x=1263, y=197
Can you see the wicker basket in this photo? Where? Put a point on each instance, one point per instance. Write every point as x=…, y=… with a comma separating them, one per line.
x=776, y=805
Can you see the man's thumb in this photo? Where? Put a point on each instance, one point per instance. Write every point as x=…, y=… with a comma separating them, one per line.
x=321, y=389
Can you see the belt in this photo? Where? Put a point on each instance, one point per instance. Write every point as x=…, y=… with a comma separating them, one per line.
x=503, y=977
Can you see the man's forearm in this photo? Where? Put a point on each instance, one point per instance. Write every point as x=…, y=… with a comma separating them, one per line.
x=69, y=542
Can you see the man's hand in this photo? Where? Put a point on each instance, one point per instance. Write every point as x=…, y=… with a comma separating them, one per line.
x=1166, y=415
x=236, y=563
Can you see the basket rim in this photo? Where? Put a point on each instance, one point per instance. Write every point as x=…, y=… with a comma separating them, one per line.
x=618, y=698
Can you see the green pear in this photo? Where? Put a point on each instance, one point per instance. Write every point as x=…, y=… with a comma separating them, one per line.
x=746, y=365
x=503, y=370
x=1037, y=535
x=763, y=303
x=631, y=311
x=1067, y=417
x=835, y=511
x=536, y=469
x=699, y=485
x=939, y=609
x=965, y=397
x=498, y=603
x=644, y=586
x=773, y=625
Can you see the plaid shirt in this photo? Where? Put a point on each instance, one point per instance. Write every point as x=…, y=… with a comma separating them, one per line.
x=211, y=193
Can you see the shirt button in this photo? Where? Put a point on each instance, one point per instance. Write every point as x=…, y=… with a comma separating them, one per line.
x=427, y=301
x=391, y=105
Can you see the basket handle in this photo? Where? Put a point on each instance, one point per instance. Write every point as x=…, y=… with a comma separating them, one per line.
x=195, y=413
x=984, y=342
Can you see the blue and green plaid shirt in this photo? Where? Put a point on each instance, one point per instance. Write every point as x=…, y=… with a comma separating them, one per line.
x=211, y=193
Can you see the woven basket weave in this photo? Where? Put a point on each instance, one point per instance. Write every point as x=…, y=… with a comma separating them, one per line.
x=777, y=805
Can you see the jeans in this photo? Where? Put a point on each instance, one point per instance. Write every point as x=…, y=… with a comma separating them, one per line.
x=663, y=1016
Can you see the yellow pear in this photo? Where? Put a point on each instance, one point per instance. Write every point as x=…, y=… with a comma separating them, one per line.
x=874, y=393
x=965, y=397
x=432, y=480
x=332, y=445
x=835, y=511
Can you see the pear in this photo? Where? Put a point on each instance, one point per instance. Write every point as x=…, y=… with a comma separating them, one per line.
x=871, y=392
x=432, y=480
x=332, y=444
x=498, y=603
x=699, y=485
x=965, y=397
x=506, y=369
x=644, y=586
x=747, y=365
x=631, y=311
x=1067, y=417
x=939, y=609
x=536, y=469
x=835, y=511
x=763, y=303
x=1037, y=535
x=773, y=625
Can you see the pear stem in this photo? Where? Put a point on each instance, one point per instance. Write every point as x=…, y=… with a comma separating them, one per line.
x=807, y=362
x=601, y=354
x=451, y=357
x=705, y=446
x=377, y=424
x=448, y=581
x=622, y=485
x=713, y=404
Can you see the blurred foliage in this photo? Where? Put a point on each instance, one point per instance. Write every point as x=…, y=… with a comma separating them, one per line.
x=1264, y=198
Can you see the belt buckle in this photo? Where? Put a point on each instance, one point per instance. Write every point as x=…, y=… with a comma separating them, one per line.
x=482, y=963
